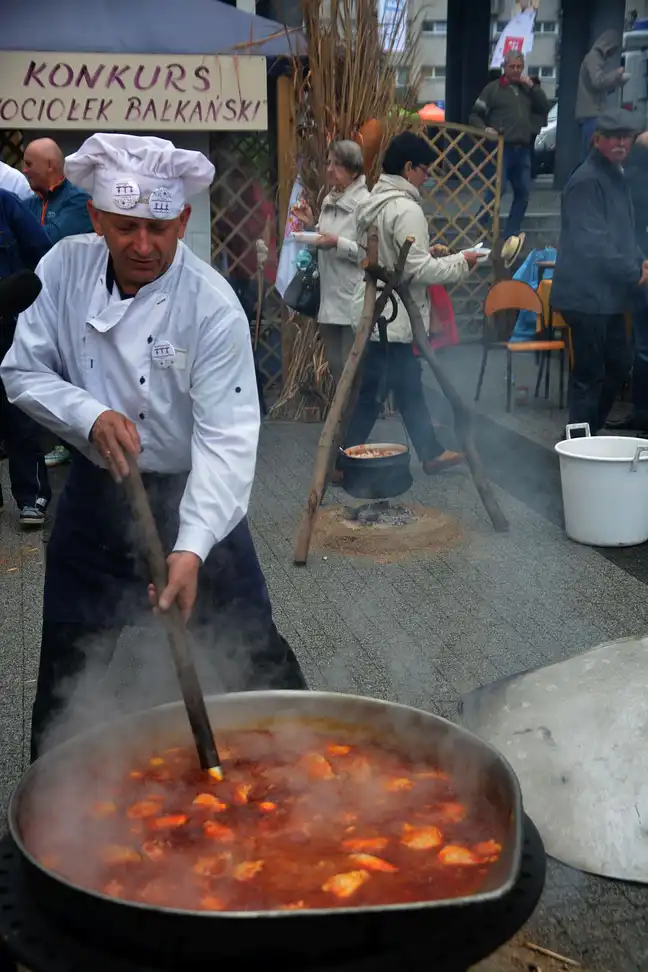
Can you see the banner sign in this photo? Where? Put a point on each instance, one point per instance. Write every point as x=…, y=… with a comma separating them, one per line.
x=132, y=92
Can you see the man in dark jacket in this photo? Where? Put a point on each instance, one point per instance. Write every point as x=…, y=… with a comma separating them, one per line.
x=61, y=208
x=22, y=244
x=598, y=270
x=597, y=79
x=636, y=171
x=506, y=107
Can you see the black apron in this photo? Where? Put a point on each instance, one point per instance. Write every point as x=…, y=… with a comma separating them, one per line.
x=95, y=579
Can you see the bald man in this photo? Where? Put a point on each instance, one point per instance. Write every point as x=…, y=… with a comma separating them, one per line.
x=61, y=208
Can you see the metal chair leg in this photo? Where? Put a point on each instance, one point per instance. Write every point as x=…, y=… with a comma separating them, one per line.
x=540, y=374
x=547, y=374
x=509, y=379
x=482, y=372
x=561, y=392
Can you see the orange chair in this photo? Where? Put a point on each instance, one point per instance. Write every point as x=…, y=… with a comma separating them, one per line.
x=514, y=295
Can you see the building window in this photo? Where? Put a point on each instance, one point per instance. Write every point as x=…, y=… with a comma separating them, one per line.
x=435, y=26
x=546, y=27
x=402, y=77
x=432, y=72
x=547, y=72
x=501, y=26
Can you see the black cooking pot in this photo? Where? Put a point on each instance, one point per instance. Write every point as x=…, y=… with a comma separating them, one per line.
x=177, y=939
x=380, y=477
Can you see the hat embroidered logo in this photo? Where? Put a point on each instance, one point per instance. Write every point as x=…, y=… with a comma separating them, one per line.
x=160, y=203
x=126, y=194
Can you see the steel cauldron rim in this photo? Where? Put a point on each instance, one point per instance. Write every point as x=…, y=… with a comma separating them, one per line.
x=289, y=695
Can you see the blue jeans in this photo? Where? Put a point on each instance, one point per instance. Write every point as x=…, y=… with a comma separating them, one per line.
x=587, y=129
x=516, y=170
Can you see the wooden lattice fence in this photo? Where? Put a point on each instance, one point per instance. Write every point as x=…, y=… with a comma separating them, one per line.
x=462, y=204
x=243, y=208
x=11, y=147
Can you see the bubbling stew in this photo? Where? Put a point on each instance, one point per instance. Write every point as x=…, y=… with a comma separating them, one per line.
x=374, y=452
x=299, y=821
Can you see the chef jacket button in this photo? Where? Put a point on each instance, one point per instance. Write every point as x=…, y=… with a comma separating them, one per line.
x=237, y=389
x=142, y=380
x=142, y=415
x=149, y=339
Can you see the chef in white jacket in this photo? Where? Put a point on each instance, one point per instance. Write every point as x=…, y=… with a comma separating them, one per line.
x=137, y=346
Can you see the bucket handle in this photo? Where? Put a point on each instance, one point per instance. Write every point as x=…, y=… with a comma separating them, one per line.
x=641, y=450
x=578, y=425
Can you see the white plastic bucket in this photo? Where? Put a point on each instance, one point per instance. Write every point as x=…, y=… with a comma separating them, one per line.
x=604, y=488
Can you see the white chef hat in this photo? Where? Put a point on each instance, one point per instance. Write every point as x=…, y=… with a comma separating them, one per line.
x=140, y=175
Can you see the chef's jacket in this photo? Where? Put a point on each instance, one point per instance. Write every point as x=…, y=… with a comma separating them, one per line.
x=176, y=359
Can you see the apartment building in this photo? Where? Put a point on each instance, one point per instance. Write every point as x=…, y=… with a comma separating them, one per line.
x=428, y=22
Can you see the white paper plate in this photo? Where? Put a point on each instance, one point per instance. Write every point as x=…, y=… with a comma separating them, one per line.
x=305, y=237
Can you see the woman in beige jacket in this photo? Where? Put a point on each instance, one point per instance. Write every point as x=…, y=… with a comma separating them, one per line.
x=338, y=260
x=394, y=207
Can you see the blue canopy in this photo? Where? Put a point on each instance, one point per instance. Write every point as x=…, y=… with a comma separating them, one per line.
x=142, y=27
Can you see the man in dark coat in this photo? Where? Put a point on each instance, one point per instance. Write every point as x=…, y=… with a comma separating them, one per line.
x=23, y=242
x=599, y=270
x=636, y=172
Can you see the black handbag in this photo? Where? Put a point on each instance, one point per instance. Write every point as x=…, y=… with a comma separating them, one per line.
x=303, y=292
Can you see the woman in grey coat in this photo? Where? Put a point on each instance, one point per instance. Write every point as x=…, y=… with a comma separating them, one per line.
x=338, y=253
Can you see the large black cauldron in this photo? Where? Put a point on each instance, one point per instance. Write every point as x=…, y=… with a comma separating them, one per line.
x=379, y=477
x=173, y=939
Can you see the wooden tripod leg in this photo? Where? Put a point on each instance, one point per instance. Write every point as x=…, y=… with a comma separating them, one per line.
x=462, y=414
x=334, y=421
x=372, y=309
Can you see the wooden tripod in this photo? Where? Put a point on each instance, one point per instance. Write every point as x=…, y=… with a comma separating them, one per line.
x=373, y=308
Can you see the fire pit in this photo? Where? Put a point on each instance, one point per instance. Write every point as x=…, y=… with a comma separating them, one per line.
x=386, y=532
x=42, y=944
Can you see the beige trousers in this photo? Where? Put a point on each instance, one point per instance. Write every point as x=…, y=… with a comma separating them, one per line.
x=338, y=341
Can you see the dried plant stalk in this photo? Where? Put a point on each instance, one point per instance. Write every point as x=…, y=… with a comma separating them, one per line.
x=347, y=79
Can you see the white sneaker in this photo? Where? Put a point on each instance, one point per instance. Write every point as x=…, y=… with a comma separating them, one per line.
x=57, y=457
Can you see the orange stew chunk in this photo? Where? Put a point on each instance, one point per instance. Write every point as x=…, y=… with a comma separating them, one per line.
x=458, y=856
x=211, y=903
x=452, y=812
x=371, y=863
x=247, y=870
x=335, y=749
x=398, y=783
x=365, y=843
x=116, y=854
x=344, y=885
x=317, y=766
x=170, y=822
x=209, y=802
x=488, y=850
x=421, y=838
x=218, y=831
x=242, y=793
x=143, y=809
x=267, y=806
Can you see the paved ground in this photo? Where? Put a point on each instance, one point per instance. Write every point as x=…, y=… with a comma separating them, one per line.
x=418, y=632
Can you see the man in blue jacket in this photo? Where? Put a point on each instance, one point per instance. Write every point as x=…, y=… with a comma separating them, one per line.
x=60, y=207
x=599, y=270
x=22, y=244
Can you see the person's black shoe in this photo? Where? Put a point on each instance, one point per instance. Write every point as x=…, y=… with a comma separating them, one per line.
x=630, y=423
